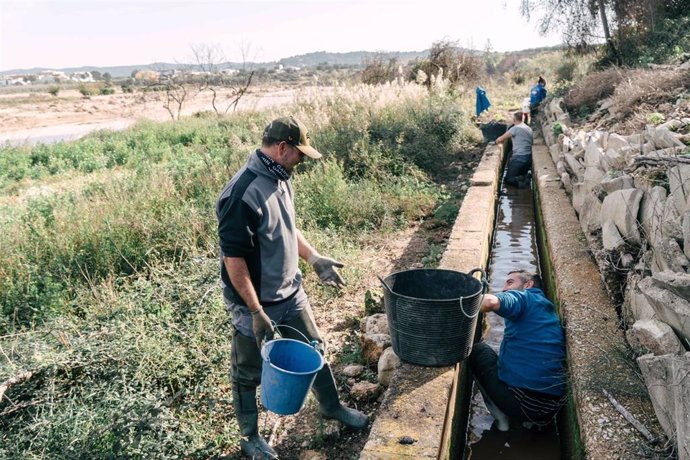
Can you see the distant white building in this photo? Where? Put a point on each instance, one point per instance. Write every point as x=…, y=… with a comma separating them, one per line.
x=51, y=76
x=15, y=80
x=82, y=77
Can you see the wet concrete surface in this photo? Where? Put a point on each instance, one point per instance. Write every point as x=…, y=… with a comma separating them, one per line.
x=514, y=247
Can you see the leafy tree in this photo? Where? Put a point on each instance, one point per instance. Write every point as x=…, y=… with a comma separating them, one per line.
x=108, y=78
x=96, y=75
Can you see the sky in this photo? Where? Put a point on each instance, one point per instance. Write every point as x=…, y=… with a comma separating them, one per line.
x=59, y=33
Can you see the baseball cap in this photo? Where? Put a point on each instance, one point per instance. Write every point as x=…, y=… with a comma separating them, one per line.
x=290, y=130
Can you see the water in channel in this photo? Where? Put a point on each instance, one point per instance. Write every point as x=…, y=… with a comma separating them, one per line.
x=514, y=247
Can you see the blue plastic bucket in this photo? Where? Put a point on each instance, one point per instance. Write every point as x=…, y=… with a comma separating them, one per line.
x=288, y=371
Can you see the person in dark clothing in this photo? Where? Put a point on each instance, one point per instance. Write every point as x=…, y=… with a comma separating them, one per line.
x=521, y=157
x=536, y=95
x=260, y=245
x=525, y=381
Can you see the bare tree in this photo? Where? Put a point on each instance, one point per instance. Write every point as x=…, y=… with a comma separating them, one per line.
x=209, y=60
x=174, y=82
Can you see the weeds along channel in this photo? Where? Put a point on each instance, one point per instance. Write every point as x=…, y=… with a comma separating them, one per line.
x=113, y=336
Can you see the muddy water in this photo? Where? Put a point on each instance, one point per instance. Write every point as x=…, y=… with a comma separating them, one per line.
x=514, y=247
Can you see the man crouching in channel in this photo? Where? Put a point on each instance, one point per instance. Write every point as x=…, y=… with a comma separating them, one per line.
x=526, y=380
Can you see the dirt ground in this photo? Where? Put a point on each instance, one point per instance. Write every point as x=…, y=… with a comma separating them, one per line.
x=29, y=115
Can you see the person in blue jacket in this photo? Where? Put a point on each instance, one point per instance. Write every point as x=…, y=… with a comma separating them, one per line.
x=537, y=94
x=525, y=381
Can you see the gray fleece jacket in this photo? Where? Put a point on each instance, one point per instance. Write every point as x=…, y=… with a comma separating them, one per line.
x=256, y=221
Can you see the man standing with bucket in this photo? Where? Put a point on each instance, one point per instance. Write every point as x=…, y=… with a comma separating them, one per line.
x=259, y=249
x=526, y=380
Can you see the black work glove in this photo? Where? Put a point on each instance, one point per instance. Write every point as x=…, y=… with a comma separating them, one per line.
x=325, y=267
x=261, y=326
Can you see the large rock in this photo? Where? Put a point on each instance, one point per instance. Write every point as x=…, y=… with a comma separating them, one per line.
x=365, y=391
x=611, y=183
x=590, y=216
x=373, y=346
x=376, y=324
x=671, y=223
x=611, y=238
x=598, y=138
x=634, y=140
x=567, y=144
x=388, y=362
x=670, y=308
x=594, y=155
x=652, y=213
x=593, y=177
x=560, y=167
x=615, y=159
x=669, y=389
x=669, y=256
x=662, y=138
x=555, y=151
x=676, y=282
x=622, y=207
x=635, y=305
x=679, y=186
x=574, y=167
x=616, y=142
x=650, y=335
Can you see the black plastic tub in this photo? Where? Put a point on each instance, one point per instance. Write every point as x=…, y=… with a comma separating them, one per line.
x=492, y=130
x=432, y=314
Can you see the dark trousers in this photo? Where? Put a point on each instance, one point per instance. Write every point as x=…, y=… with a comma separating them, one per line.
x=246, y=359
x=518, y=167
x=539, y=407
x=484, y=365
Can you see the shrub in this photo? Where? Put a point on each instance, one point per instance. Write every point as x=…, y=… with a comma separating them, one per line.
x=447, y=60
x=655, y=118
x=87, y=90
x=566, y=70
x=378, y=70
x=127, y=88
x=107, y=90
x=54, y=90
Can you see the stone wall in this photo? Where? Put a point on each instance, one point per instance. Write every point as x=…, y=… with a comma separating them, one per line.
x=632, y=197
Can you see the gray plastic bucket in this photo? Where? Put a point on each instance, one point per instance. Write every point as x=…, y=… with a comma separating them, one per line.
x=432, y=314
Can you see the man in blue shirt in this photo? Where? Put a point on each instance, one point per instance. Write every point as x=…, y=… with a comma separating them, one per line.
x=526, y=380
x=537, y=94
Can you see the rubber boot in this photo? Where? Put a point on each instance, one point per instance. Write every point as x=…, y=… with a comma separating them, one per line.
x=330, y=406
x=247, y=414
x=502, y=420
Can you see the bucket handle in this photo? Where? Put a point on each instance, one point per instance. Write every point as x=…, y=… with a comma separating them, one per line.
x=485, y=287
x=313, y=343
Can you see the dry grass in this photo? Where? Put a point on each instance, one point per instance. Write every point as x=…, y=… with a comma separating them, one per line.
x=654, y=87
x=593, y=88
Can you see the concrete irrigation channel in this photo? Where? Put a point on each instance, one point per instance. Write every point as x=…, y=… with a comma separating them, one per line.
x=426, y=412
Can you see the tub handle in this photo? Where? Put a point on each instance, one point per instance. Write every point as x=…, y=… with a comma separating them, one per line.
x=384, y=284
x=485, y=287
